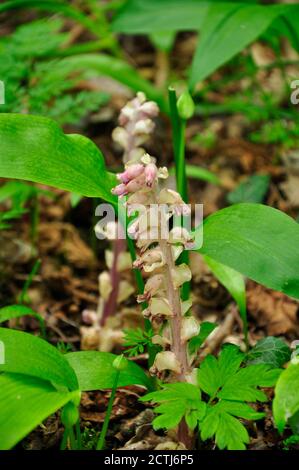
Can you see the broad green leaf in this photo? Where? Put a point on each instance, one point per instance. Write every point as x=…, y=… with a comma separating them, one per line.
x=286, y=401
x=234, y=282
x=94, y=371
x=54, y=6
x=117, y=69
x=35, y=149
x=253, y=189
x=141, y=17
x=206, y=329
x=270, y=350
x=258, y=241
x=25, y=403
x=17, y=311
x=227, y=29
x=30, y=355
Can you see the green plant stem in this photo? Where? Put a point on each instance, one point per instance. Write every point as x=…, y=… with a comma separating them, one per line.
x=63, y=443
x=90, y=46
x=22, y=296
x=78, y=435
x=178, y=137
x=34, y=219
x=102, y=439
x=72, y=439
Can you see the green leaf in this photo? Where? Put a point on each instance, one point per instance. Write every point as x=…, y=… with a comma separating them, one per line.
x=271, y=350
x=286, y=401
x=234, y=283
x=170, y=414
x=242, y=386
x=94, y=371
x=178, y=400
x=163, y=40
x=30, y=355
x=254, y=189
x=258, y=241
x=227, y=29
x=25, y=403
x=17, y=311
x=241, y=410
x=53, y=6
x=35, y=149
x=112, y=67
x=209, y=378
x=206, y=329
x=229, y=361
x=202, y=174
x=231, y=433
x=141, y=17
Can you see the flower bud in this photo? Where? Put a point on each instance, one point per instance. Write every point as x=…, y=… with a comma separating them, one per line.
x=89, y=317
x=185, y=106
x=166, y=360
x=69, y=415
x=120, y=136
x=120, y=363
x=120, y=190
x=181, y=274
x=131, y=172
x=150, y=174
x=150, y=109
x=105, y=286
x=144, y=126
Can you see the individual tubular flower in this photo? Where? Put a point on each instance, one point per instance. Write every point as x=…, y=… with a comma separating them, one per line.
x=165, y=360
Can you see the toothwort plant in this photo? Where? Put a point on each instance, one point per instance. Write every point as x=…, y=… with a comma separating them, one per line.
x=159, y=249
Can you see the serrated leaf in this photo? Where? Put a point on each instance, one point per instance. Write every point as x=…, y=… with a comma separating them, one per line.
x=231, y=434
x=241, y=410
x=209, y=377
x=171, y=415
x=35, y=149
x=94, y=371
x=25, y=403
x=286, y=400
x=206, y=329
x=254, y=240
x=229, y=361
x=242, y=386
x=32, y=356
x=270, y=350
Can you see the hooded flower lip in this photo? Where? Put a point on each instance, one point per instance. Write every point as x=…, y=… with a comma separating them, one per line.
x=172, y=198
x=181, y=274
x=150, y=260
x=190, y=328
x=166, y=360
